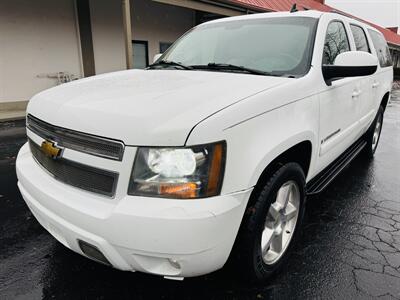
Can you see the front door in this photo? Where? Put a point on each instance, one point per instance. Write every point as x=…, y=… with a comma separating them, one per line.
x=339, y=103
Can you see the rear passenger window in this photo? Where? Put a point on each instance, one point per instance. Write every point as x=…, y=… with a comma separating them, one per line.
x=381, y=48
x=360, y=38
x=336, y=42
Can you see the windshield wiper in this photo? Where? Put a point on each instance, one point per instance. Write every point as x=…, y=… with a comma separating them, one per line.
x=230, y=67
x=170, y=63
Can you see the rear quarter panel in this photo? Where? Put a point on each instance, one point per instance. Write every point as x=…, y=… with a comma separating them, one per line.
x=385, y=77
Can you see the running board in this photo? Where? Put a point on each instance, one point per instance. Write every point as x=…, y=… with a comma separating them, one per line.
x=323, y=179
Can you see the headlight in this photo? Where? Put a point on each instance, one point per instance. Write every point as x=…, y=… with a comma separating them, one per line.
x=184, y=173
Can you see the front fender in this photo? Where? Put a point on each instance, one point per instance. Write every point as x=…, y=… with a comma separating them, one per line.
x=254, y=143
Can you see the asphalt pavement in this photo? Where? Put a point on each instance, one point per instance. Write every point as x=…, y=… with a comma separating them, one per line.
x=349, y=249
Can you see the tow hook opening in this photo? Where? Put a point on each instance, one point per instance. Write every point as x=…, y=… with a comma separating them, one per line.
x=93, y=252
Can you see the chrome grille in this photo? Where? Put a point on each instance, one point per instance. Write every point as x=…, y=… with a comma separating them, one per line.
x=76, y=174
x=82, y=142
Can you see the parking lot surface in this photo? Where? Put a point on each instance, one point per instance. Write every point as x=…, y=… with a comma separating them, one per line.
x=350, y=247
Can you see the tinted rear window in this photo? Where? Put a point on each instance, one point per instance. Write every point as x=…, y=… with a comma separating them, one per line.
x=381, y=48
x=360, y=38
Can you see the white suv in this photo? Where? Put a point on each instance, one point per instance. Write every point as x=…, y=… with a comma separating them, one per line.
x=211, y=151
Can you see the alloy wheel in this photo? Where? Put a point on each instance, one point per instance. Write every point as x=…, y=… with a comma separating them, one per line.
x=377, y=132
x=280, y=222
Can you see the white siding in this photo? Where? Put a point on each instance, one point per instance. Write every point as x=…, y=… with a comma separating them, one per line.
x=152, y=22
x=108, y=35
x=35, y=37
x=40, y=37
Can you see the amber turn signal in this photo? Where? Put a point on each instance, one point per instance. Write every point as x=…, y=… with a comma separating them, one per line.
x=215, y=171
x=179, y=190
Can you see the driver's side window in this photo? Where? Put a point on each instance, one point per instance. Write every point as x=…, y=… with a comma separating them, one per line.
x=336, y=42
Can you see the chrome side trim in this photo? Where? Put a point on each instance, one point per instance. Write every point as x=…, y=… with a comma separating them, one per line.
x=330, y=136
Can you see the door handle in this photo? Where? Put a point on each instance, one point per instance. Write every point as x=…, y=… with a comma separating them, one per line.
x=356, y=94
x=375, y=85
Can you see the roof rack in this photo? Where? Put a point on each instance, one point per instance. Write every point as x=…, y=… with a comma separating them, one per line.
x=349, y=16
x=334, y=11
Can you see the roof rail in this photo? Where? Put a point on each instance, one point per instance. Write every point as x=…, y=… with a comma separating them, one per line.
x=350, y=16
x=334, y=11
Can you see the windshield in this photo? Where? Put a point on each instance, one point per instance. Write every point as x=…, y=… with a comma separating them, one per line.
x=279, y=45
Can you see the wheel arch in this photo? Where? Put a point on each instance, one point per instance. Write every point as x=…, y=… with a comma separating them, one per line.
x=300, y=152
x=304, y=146
x=385, y=100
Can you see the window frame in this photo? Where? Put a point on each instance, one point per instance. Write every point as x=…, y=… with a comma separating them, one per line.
x=326, y=31
x=365, y=35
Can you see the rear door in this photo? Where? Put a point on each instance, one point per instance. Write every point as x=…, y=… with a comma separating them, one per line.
x=365, y=99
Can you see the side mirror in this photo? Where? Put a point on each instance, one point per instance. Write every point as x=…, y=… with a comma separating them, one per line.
x=350, y=64
x=156, y=57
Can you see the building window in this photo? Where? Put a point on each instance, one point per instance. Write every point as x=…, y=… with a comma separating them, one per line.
x=360, y=38
x=336, y=42
x=140, y=54
x=164, y=46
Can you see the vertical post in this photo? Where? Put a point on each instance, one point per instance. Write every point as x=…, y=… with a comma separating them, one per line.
x=86, y=38
x=78, y=39
x=126, y=17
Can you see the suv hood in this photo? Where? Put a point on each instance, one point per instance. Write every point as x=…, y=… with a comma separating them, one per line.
x=145, y=107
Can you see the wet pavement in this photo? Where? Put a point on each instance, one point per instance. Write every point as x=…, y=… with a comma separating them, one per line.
x=350, y=247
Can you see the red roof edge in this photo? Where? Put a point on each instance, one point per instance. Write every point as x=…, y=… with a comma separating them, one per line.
x=284, y=5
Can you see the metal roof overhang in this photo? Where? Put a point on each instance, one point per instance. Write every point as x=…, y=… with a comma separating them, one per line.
x=240, y=7
x=225, y=8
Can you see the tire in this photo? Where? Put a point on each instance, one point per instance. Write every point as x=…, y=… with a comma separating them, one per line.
x=372, y=136
x=258, y=227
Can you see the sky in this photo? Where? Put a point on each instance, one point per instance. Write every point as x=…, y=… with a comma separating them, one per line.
x=382, y=12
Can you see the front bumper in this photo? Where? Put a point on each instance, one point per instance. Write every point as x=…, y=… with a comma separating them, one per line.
x=180, y=238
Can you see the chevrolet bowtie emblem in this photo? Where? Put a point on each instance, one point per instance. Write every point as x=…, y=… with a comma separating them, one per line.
x=50, y=149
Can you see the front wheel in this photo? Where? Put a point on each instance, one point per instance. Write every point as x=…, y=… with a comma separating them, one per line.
x=373, y=134
x=271, y=223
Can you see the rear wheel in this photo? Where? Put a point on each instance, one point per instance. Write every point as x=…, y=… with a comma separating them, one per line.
x=373, y=134
x=271, y=223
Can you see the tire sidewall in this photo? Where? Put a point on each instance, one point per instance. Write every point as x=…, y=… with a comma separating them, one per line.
x=290, y=171
x=370, y=134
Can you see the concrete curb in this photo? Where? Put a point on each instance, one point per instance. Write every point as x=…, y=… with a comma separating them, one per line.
x=11, y=118
x=6, y=116
x=12, y=133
